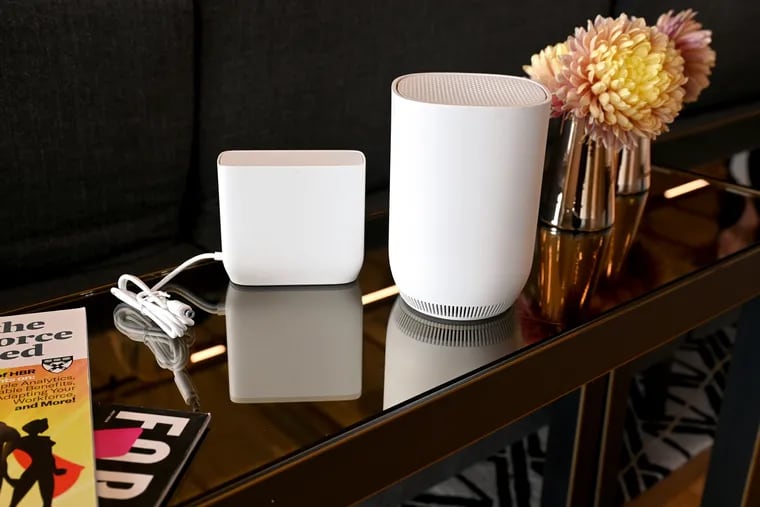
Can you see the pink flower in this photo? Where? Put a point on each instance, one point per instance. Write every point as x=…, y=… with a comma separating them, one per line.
x=694, y=45
x=544, y=68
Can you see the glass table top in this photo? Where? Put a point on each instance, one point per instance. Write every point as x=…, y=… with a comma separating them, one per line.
x=284, y=369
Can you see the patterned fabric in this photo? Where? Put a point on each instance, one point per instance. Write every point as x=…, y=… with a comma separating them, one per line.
x=656, y=442
x=655, y=446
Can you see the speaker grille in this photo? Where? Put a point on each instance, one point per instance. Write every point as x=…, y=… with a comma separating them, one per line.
x=471, y=89
x=454, y=334
x=454, y=312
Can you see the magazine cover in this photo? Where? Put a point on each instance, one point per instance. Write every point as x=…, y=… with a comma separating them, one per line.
x=45, y=411
x=141, y=453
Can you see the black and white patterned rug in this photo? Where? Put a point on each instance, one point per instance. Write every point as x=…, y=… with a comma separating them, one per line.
x=656, y=442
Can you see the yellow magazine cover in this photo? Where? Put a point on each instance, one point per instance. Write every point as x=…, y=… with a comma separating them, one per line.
x=45, y=412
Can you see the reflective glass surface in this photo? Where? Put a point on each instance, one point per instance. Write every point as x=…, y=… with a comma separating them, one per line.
x=283, y=369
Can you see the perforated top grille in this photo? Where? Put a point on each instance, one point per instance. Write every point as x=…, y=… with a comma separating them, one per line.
x=470, y=89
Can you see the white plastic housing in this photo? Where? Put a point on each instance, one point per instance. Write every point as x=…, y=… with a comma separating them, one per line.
x=288, y=344
x=467, y=154
x=292, y=217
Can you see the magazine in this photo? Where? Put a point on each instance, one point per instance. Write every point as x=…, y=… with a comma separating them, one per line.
x=45, y=411
x=141, y=453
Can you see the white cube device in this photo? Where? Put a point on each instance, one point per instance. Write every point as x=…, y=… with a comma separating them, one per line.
x=292, y=217
x=467, y=154
x=289, y=344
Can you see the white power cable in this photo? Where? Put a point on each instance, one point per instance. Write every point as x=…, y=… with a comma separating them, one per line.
x=172, y=316
x=210, y=308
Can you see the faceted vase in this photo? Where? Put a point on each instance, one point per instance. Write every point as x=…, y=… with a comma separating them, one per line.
x=634, y=168
x=577, y=210
x=578, y=190
x=632, y=189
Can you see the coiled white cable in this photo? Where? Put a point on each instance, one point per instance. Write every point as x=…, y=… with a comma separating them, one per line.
x=172, y=316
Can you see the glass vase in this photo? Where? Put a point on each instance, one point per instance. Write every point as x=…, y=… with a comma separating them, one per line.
x=634, y=168
x=578, y=190
x=632, y=188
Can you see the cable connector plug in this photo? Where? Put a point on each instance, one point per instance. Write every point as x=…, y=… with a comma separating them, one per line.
x=180, y=309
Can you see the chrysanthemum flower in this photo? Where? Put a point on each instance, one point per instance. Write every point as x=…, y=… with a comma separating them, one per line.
x=623, y=78
x=694, y=45
x=545, y=67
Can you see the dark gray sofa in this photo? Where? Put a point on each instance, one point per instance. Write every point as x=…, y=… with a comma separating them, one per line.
x=112, y=114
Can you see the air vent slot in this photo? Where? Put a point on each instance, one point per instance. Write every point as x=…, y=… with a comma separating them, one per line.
x=454, y=312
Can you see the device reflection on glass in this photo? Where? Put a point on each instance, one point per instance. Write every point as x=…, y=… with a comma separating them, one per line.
x=290, y=344
x=422, y=353
x=170, y=353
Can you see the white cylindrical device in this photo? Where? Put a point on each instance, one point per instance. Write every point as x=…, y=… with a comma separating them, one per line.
x=467, y=155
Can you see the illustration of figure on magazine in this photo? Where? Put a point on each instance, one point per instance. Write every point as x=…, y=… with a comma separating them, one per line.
x=42, y=467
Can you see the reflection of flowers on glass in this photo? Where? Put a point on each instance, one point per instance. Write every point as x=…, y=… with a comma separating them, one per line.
x=693, y=42
x=742, y=232
x=626, y=80
x=534, y=326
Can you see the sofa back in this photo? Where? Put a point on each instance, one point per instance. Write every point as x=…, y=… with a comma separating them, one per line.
x=112, y=114
x=96, y=123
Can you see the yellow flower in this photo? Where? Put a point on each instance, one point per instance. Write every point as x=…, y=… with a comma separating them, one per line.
x=622, y=78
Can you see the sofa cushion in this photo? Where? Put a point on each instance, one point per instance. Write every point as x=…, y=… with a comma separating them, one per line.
x=96, y=122
x=289, y=74
x=95, y=277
